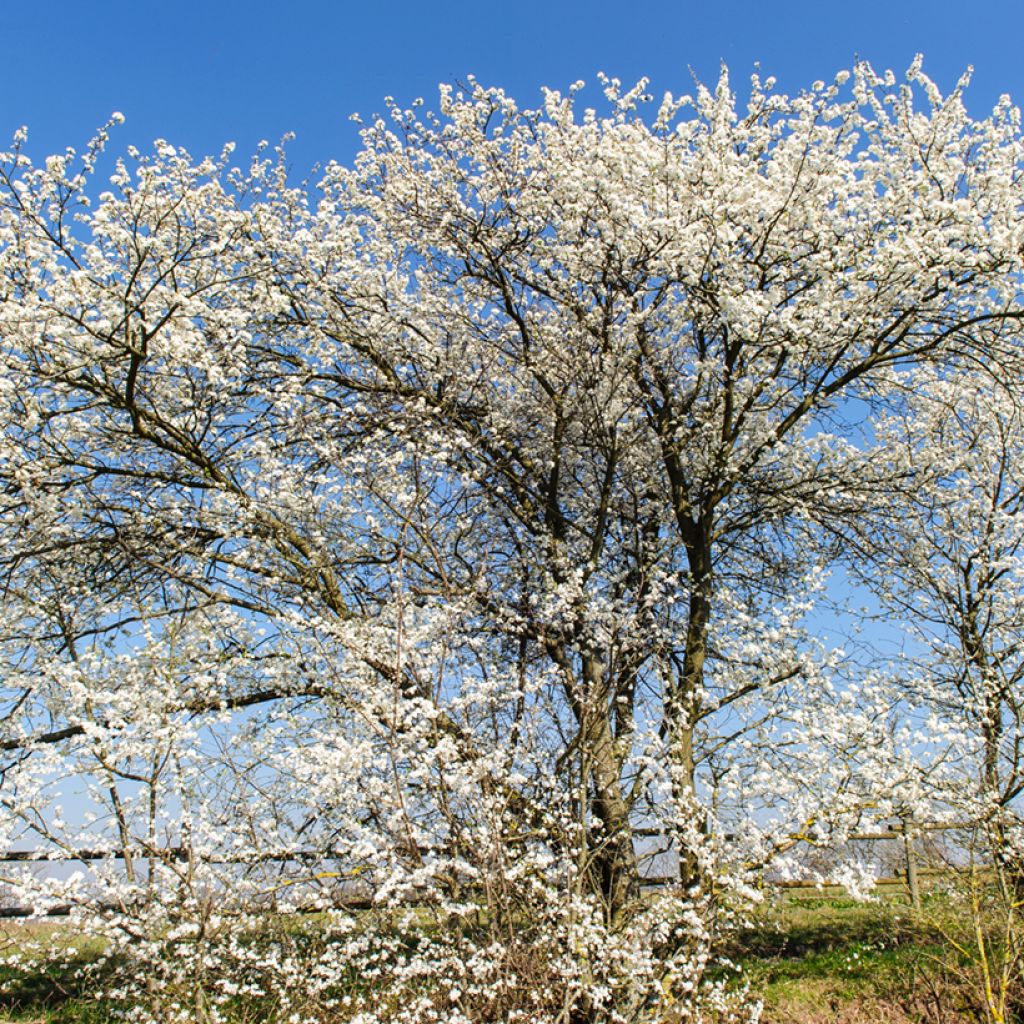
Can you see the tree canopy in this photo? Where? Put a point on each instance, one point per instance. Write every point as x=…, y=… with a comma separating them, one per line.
x=454, y=532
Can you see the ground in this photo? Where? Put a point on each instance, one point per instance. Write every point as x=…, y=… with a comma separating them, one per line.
x=813, y=958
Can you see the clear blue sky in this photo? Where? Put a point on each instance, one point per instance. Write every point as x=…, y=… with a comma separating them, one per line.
x=201, y=72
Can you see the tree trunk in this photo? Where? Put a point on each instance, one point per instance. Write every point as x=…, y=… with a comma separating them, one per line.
x=613, y=859
x=683, y=709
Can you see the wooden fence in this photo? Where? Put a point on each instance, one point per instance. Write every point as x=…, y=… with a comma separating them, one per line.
x=904, y=832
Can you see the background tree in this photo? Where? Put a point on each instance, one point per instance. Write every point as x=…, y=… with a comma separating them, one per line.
x=946, y=561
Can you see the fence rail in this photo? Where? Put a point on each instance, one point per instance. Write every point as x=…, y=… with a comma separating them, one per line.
x=905, y=832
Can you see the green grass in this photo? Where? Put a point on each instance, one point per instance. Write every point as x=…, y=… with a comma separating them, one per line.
x=54, y=991
x=812, y=958
x=854, y=947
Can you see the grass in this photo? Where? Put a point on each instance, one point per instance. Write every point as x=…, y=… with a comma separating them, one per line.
x=812, y=959
x=54, y=992
x=829, y=960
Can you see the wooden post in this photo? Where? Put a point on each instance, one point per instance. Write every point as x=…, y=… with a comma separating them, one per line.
x=913, y=884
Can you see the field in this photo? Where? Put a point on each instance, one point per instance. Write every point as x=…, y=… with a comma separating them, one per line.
x=812, y=957
x=830, y=960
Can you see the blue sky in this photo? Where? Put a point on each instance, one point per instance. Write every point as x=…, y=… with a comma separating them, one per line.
x=201, y=72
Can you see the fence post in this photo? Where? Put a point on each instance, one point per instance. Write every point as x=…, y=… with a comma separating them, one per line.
x=913, y=884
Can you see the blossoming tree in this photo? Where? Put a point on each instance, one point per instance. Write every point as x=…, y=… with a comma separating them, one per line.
x=448, y=535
